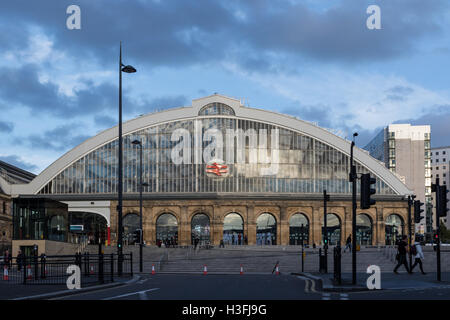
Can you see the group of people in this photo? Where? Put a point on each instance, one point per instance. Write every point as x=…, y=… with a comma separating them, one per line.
x=266, y=238
x=403, y=249
x=168, y=242
x=7, y=260
x=233, y=238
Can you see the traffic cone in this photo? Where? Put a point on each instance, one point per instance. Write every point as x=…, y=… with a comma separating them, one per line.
x=29, y=276
x=5, y=273
x=242, y=270
x=205, y=270
x=153, y=269
x=276, y=271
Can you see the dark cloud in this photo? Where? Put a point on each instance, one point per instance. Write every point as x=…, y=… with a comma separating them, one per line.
x=174, y=33
x=15, y=161
x=62, y=138
x=6, y=127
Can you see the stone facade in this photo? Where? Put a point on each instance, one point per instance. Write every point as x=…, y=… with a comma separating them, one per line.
x=5, y=221
x=282, y=210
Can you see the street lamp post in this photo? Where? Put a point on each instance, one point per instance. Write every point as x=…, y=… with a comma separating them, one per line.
x=127, y=69
x=353, y=178
x=141, y=185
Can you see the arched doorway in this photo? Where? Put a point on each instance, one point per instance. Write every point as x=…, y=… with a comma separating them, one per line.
x=167, y=229
x=363, y=229
x=394, y=229
x=87, y=225
x=333, y=229
x=233, y=229
x=298, y=229
x=200, y=228
x=266, y=229
x=130, y=224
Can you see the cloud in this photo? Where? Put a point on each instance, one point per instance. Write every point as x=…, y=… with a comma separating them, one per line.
x=18, y=162
x=61, y=138
x=6, y=126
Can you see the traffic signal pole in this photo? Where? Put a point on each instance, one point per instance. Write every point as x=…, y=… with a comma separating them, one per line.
x=325, y=236
x=410, y=203
x=438, y=231
x=353, y=181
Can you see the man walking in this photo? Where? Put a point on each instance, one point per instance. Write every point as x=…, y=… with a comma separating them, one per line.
x=402, y=245
x=416, y=250
x=348, y=243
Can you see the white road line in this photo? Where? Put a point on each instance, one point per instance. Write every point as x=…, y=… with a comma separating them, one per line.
x=143, y=295
x=130, y=294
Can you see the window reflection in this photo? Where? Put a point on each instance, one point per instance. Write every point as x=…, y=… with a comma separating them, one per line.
x=394, y=229
x=266, y=230
x=233, y=229
x=298, y=229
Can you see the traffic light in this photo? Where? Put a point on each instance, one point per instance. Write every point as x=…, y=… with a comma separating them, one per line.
x=417, y=211
x=442, y=199
x=367, y=191
x=137, y=236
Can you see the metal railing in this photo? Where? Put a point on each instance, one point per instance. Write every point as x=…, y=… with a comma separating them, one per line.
x=94, y=269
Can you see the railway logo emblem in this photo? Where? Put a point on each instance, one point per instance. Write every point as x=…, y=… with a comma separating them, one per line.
x=217, y=169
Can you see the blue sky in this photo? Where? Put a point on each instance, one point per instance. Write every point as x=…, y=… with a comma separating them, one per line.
x=314, y=59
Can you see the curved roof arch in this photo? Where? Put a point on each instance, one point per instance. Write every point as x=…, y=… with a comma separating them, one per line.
x=190, y=112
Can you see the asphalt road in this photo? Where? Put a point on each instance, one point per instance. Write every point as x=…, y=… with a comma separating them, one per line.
x=208, y=287
x=246, y=287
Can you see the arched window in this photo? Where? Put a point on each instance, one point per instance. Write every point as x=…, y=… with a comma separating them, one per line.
x=266, y=229
x=394, y=229
x=298, y=229
x=363, y=229
x=233, y=229
x=94, y=227
x=130, y=224
x=333, y=229
x=167, y=229
x=216, y=108
x=200, y=228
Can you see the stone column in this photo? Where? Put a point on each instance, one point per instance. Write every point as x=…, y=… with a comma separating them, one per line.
x=216, y=225
x=149, y=227
x=284, y=227
x=251, y=225
x=316, y=227
x=381, y=234
x=184, y=229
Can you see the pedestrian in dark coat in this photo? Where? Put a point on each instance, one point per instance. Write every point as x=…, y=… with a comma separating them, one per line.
x=401, y=255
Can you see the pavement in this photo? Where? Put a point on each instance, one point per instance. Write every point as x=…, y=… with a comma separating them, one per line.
x=10, y=291
x=389, y=281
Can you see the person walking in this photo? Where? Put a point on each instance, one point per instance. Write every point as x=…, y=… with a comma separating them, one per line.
x=6, y=258
x=416, y=250
x=348, y=243
x=19, y=260
x=239, y=239
x=401, y=255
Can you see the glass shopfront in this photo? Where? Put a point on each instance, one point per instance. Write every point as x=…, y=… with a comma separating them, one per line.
x=233, y=229
x=266, y=230
x=333, y=229
x=298, y=229
x=167, y=229
x=363, y=229
x=394, y=229
x=200, y=229
x=39, y=219
x=94, y=227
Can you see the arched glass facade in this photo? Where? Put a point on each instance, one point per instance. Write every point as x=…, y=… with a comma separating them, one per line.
x=233, y=229
x=200, y=228
x=298, y=229
x=212, y=154
x=167, y=229
x=394, y=229
x=363, y=229
x=130, y=225
x=266, y=229
x=333, y=229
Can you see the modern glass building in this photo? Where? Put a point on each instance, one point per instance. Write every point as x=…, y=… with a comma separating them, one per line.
x=218, y=170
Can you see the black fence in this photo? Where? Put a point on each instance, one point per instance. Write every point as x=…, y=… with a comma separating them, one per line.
x=94, y=269
x=337, y=274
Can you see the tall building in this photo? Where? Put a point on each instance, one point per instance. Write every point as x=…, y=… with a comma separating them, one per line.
x=217, y=170
x=12, y=175
x=405, y=151
x=440, y=168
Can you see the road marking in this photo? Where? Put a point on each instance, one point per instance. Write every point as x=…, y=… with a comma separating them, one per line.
x=344, y=296
x=307, y=284
x=130, y=294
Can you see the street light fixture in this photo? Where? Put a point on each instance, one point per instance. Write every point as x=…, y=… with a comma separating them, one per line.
x=141, y=185
x=127, y=69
